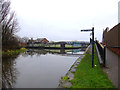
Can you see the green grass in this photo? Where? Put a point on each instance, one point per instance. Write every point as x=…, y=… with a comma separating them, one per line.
x=65, y=78
x=68, y=46
x=88, y=77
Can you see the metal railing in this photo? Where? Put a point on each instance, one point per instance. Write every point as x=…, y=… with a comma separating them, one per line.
x=102, y=50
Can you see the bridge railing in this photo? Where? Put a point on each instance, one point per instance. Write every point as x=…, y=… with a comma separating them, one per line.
x=102, y=50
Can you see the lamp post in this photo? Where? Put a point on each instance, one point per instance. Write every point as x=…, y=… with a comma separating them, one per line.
x=92, y=43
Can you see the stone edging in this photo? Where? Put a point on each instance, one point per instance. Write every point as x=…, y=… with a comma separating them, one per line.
x=70, y=73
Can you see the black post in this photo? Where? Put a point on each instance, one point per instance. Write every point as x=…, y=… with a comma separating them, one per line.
x=92, y=47
x=104, y=55
x=92, y=44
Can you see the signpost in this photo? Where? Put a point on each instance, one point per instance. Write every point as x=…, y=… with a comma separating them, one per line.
x=92, y=43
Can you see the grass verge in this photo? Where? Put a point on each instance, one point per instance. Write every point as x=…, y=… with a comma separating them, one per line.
x=13, y=52
x=88, y=77
x=65, y=78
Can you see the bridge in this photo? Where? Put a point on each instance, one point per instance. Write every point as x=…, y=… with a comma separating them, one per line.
x=57, y=45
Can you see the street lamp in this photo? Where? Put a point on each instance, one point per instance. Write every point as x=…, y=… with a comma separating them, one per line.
x=92, y=43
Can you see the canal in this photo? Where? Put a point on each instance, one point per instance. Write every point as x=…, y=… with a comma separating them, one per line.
x=37, y=68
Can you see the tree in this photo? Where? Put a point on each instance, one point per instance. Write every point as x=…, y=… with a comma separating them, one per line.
x=9, y=26
x=25, y=39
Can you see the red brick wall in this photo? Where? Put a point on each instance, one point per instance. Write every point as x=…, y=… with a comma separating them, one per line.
x=44, y=40
x=111, y=38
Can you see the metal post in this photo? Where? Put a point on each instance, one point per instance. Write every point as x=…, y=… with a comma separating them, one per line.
x=104, y=55
x=92, y=47
x=92, y=44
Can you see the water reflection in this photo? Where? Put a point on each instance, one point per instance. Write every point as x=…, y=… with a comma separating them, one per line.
x=39, y=52
x=11, y=72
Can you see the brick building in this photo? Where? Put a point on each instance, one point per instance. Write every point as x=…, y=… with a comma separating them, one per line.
x=111, y=38
x=42, y=40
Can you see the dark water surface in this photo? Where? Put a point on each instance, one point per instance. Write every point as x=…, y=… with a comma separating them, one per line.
x=37, y=68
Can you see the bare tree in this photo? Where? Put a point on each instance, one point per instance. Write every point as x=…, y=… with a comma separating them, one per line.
x=9, y=25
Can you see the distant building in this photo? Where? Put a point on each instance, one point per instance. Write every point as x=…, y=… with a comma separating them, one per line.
x=38, y=41
x=78, y=42
x=31, y=42
x=42, y=40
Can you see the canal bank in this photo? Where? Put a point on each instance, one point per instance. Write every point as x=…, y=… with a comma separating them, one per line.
x=13, y=52
x=82, y=75
x=65, y=80
x=37, y=68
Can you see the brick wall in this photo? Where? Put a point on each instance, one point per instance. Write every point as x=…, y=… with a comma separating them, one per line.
x=44, y=40
x=110, y=37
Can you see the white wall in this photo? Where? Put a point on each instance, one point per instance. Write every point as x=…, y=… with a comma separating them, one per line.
x=119, y=12
x=112, y=64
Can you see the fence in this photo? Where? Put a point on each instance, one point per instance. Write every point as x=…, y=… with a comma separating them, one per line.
x=102, y=51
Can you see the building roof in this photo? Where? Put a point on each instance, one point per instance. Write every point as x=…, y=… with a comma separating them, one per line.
x=40, y=39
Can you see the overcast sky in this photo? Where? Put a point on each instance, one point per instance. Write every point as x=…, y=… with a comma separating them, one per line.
x=59, y=20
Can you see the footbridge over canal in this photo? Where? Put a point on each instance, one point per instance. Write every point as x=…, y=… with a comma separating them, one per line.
x=58, y=45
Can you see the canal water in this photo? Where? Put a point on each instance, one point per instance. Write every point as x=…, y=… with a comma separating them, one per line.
x=37, y=68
